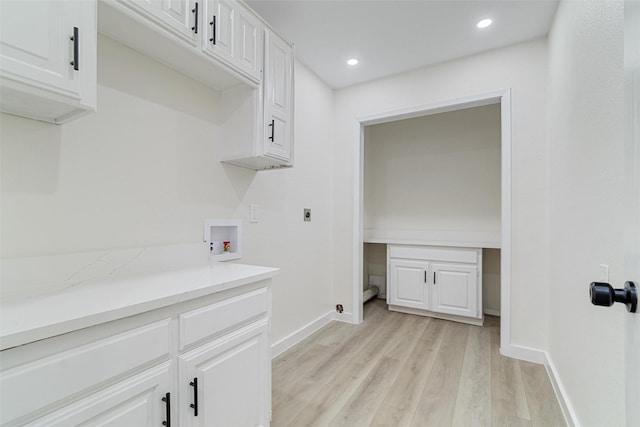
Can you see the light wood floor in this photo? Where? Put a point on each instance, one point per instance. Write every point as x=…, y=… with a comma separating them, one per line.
x=402, y=370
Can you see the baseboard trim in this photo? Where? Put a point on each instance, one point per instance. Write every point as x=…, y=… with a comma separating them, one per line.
x=524, y=353
x=491, y=312
x=343, y=317
x=561, y=393
x=295, y=337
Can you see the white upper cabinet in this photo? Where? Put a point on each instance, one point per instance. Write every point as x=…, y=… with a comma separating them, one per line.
x=220, y=16
x=225, y=45
x=278, y=94
x=265, y=143
x=48, y=58
x=234, y=35
x=180, y=17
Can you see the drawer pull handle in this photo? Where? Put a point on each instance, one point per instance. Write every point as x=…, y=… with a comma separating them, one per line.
x=167, y=401
x=194, y=405
x=272, y=126
x=213, y=30
x=434, y=277
x=195, y=11
x=75, y=38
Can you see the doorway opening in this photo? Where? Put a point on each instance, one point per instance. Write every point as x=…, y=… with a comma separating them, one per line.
x=375, y=230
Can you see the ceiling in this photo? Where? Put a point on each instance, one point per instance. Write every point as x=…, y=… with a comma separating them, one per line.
x=392, y=36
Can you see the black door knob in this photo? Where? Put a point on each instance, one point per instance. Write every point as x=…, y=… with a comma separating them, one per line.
x=603, y=294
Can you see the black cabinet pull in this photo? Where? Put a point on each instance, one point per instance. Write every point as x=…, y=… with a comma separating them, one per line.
x=273, y=126
x=167, y=402
x=213, y=28
x=434, y=277
x=75, y=38
x=425, y=276
x=194, y=405
x=195, y=10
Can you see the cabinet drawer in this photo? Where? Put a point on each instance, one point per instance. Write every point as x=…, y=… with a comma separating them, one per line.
x=64, y=376
x=435, y=253
x=212, y=319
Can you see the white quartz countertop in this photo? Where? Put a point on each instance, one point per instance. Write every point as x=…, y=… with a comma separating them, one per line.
x=47, y=296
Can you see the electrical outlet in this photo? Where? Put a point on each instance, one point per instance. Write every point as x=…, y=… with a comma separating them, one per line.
x=253, y=213
x=307, y=215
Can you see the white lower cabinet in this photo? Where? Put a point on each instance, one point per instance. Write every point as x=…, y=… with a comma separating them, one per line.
x=204, y=362
x=136, y=401
x=455, y=289
x=222, y=383
x=408, y=285
x=434, y=281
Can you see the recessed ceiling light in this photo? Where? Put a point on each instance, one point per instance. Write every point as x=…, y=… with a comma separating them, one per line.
x=484, y=23
x=352, y=61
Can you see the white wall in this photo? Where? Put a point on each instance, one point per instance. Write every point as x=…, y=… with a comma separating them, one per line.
x=144, y=171
x=520, y=67
x=437, y=172
x=586, y=204
x=491, y=281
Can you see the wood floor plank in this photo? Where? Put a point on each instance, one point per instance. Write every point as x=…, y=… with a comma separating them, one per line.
x=398, y=370
x=438, y=399
x=364, y=401
x=329, y=400
x=508, y=399
x=542, y=401
x=473, y=404
x=401, y=400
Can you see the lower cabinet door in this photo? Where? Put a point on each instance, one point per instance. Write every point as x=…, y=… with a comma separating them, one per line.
x=227, y=382
x=455, y=289
x=408, y=284
x=136, y=401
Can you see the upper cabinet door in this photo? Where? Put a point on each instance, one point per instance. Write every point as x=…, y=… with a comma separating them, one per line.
x=36, y=42
x=234, y=35
x=47, y=57
x=180, y=17
x=220, y=16
x=248, y=48
x=278, y=84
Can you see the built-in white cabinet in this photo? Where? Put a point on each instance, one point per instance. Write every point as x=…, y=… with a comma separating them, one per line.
x=234, y=35
x=224, y=44
x=48, y=58
x=435, y=281
x=223, y=382
x=278, y=97
x=204, y=362
x=455, y=289
x=265, y=143
x=408, y=284
x=181, y=18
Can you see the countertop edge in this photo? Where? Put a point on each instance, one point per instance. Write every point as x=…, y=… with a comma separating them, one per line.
x=17, y=337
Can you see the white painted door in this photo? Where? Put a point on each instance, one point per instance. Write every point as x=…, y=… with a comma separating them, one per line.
x=227, y=381
x=409, y=284
x=136, y=401
x=455, y=289
x=36, y=43
x=220, y=18
x=183, y=18
x=248, y=47
x=632, y=178
x=278, y=80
